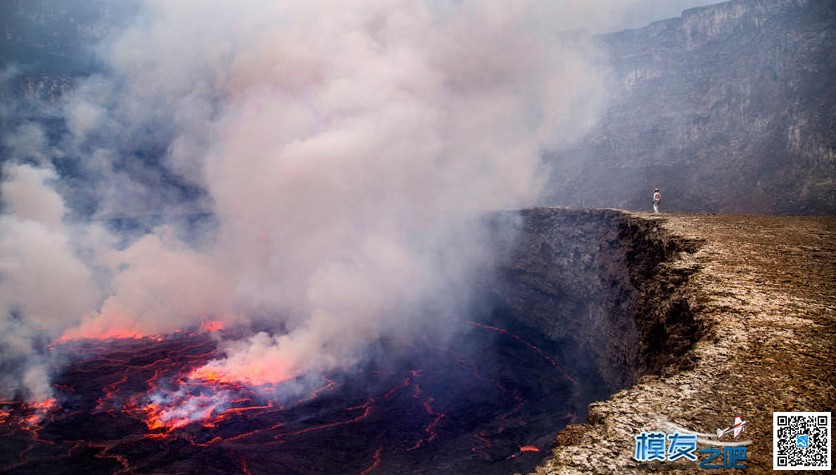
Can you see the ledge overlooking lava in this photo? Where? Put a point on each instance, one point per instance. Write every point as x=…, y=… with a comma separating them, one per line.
x=761, y=294
x=644, y=319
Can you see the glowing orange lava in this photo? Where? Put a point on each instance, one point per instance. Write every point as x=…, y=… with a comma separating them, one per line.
x=35, y=411
x=376, y=459
x=109, y=334
x=208, y=375
x=212, y=325
x=46, y=404
x=181, y=390
x=256, y=374
x=180, y=413
x=540, y=352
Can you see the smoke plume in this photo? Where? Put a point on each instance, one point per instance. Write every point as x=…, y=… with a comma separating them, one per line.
x=342, y=151
x=44, y=285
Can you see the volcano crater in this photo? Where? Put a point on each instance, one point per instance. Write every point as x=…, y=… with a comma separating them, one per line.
x=572, y=313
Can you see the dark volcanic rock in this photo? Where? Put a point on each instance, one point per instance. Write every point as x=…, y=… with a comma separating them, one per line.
x=594, y=282
x=730, y=108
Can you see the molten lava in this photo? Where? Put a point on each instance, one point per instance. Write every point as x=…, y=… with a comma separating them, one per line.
x=107, y=334
x=212, y=325
x=154, y=405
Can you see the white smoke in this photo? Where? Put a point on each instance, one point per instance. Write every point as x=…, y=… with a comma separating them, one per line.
x=44, y=285
x=344, y=150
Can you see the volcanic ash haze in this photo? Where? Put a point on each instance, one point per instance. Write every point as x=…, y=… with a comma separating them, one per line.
x=343, y=149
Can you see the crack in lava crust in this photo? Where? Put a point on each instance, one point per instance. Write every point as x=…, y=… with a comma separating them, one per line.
x=492, y=405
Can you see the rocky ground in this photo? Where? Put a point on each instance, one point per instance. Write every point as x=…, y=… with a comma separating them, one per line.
x=762, y=292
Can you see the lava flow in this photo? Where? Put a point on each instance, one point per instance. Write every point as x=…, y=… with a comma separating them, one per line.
x=493, y=405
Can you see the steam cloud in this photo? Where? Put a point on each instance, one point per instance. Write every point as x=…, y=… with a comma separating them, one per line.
x=343, y=150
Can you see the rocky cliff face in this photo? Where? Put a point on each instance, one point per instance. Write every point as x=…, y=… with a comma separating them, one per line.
x=595, y=283
x=695, y=318
x=760, y=292
x=730, y=108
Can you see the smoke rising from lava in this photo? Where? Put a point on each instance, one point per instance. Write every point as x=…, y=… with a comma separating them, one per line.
x=343, y=151
x=36, y=255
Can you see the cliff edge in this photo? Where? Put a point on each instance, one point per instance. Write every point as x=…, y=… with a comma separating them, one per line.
x=761, y=291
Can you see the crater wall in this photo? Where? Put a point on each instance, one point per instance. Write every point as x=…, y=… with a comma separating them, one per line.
x=595, y=283
x=734, y=316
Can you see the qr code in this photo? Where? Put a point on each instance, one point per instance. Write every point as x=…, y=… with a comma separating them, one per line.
x=801, y=441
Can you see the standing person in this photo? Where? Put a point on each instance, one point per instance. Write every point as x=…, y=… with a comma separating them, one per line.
x=657, y=198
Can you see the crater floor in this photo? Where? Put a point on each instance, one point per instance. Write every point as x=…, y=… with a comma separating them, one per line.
x=763, y=290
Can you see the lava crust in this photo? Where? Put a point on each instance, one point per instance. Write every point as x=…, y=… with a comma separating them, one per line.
x=491, y=405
